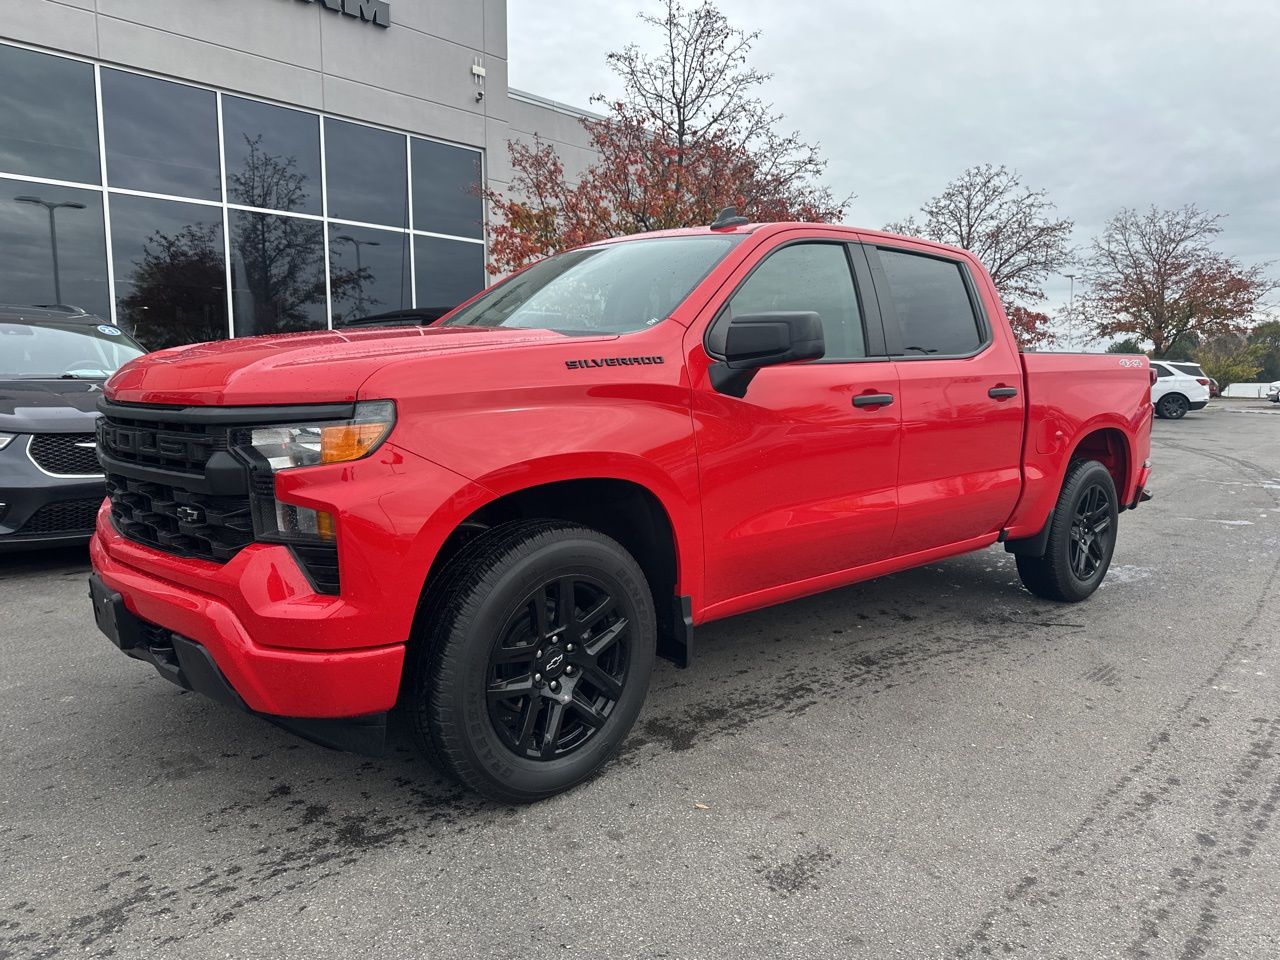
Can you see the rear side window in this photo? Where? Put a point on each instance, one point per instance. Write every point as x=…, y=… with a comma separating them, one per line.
x=935, y=314
x=1190, y=369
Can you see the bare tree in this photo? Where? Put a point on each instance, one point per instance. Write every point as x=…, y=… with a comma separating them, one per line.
x=1012, y=229
x=1155, y=275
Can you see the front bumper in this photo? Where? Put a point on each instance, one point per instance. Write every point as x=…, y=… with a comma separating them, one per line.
x=38, y=510
x=322, y=681
x=191, y=666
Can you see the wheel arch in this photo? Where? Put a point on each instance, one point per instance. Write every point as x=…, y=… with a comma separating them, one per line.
x=652, y=528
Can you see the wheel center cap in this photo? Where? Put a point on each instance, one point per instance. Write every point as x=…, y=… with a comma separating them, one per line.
x=554, y=661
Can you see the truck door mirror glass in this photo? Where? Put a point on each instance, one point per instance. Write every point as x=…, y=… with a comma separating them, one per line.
x=757, y=340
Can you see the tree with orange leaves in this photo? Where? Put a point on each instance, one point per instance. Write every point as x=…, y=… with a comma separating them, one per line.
x=689, y=136
x=1155, y=275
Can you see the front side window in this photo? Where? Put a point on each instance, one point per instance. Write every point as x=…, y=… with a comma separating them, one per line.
x=73, y=351
x=931, y=299
x=614, y=288
x=809, y=277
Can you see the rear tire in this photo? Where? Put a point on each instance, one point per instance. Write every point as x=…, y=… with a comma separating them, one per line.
x=535, y=661
x=1173, y=406
x=1082, y=537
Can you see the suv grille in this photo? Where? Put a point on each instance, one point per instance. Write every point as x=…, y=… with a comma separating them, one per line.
x=66, y=454
x=179, y=447
x=69, y=516
x=179, y=521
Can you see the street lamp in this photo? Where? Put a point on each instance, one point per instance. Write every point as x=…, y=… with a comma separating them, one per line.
x=347, y=238
x=53, y=207
x=1071, y=311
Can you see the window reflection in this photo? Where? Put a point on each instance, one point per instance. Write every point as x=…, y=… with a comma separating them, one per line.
x=170, y=271
x=52, y=246
x=446, y=190
x=277, y=274
x=273, y=156
x=48, y=117
x=447, y=271
x=367, y=174
x=368, y=271
x=162, y=137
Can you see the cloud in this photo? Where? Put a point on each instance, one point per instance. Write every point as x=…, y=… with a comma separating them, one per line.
x=1105, y=104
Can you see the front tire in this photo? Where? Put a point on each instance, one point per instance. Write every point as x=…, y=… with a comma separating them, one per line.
x=1173, y=406
x=1082, y=537
x=536, y=661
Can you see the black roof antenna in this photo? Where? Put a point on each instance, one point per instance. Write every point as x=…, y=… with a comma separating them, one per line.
x=728, y=217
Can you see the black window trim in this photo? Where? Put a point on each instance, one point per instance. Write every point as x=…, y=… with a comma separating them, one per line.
x=873, y=332
x=893, y=331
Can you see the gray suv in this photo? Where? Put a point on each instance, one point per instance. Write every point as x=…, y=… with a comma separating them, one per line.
x=53, y=363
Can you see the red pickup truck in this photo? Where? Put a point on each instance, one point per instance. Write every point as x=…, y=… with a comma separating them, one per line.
x=496, y=523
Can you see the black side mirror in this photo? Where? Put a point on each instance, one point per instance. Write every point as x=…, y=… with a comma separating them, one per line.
x=756, y=340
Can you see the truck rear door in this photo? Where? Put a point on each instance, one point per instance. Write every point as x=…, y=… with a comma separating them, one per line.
x=962, y=398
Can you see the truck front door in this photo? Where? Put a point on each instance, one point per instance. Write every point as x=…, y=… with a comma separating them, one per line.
x=798, y=477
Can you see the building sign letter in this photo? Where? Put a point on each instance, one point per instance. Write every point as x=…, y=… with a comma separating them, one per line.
x=370, y=11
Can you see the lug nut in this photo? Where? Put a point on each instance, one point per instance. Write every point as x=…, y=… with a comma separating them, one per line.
x=538, y=654
x=569, y=647
x=555, y=685
x=569, y=669
x=537, y=678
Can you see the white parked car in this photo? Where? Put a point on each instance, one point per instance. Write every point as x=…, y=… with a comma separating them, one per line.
x=1176, y=391
x=1273, y=392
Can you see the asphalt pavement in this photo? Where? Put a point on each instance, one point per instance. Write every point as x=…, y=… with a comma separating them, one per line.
x=934, y=764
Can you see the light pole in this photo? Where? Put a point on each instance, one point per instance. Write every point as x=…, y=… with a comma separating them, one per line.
x=1071, y=311
x=347, y=238
x=53, y=207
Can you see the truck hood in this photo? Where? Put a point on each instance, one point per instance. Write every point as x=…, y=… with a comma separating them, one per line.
x=320, y=367
x=48, y=406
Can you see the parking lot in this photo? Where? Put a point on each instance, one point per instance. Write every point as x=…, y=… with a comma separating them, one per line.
x=930, y=765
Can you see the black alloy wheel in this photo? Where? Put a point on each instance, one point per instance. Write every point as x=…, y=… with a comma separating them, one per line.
x=1090, y=529
x=1174, y=406
x=558, y=668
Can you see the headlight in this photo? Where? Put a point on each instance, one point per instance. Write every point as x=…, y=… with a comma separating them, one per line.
x=291, y=445
x=6, y=439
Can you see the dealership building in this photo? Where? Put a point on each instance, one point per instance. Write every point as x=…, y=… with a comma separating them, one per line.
x=198, y=169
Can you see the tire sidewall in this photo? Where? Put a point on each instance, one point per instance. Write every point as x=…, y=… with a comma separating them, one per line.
x=475, y=635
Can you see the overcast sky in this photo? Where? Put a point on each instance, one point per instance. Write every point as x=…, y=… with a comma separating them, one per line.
x=1104, y=104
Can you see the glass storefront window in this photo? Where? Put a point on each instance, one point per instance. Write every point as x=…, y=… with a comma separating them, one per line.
x=273, y=156
x=170, y=270
x=446, y=190
x=52, y=246
x=176, y=206
x=48, y=117
x=367, y=174
x=447, y=272
x=277, y=274
x=162, y=137
x=368, y=271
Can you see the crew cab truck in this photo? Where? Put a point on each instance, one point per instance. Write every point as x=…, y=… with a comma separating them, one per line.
x=496, y=522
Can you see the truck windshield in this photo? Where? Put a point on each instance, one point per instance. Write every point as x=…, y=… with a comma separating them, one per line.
x=80, y=351
x=615, y=288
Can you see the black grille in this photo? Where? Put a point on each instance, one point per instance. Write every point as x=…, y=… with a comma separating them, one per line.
x=66, y=454
x=180, y=521
x=68, y=516
x=177, y=447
